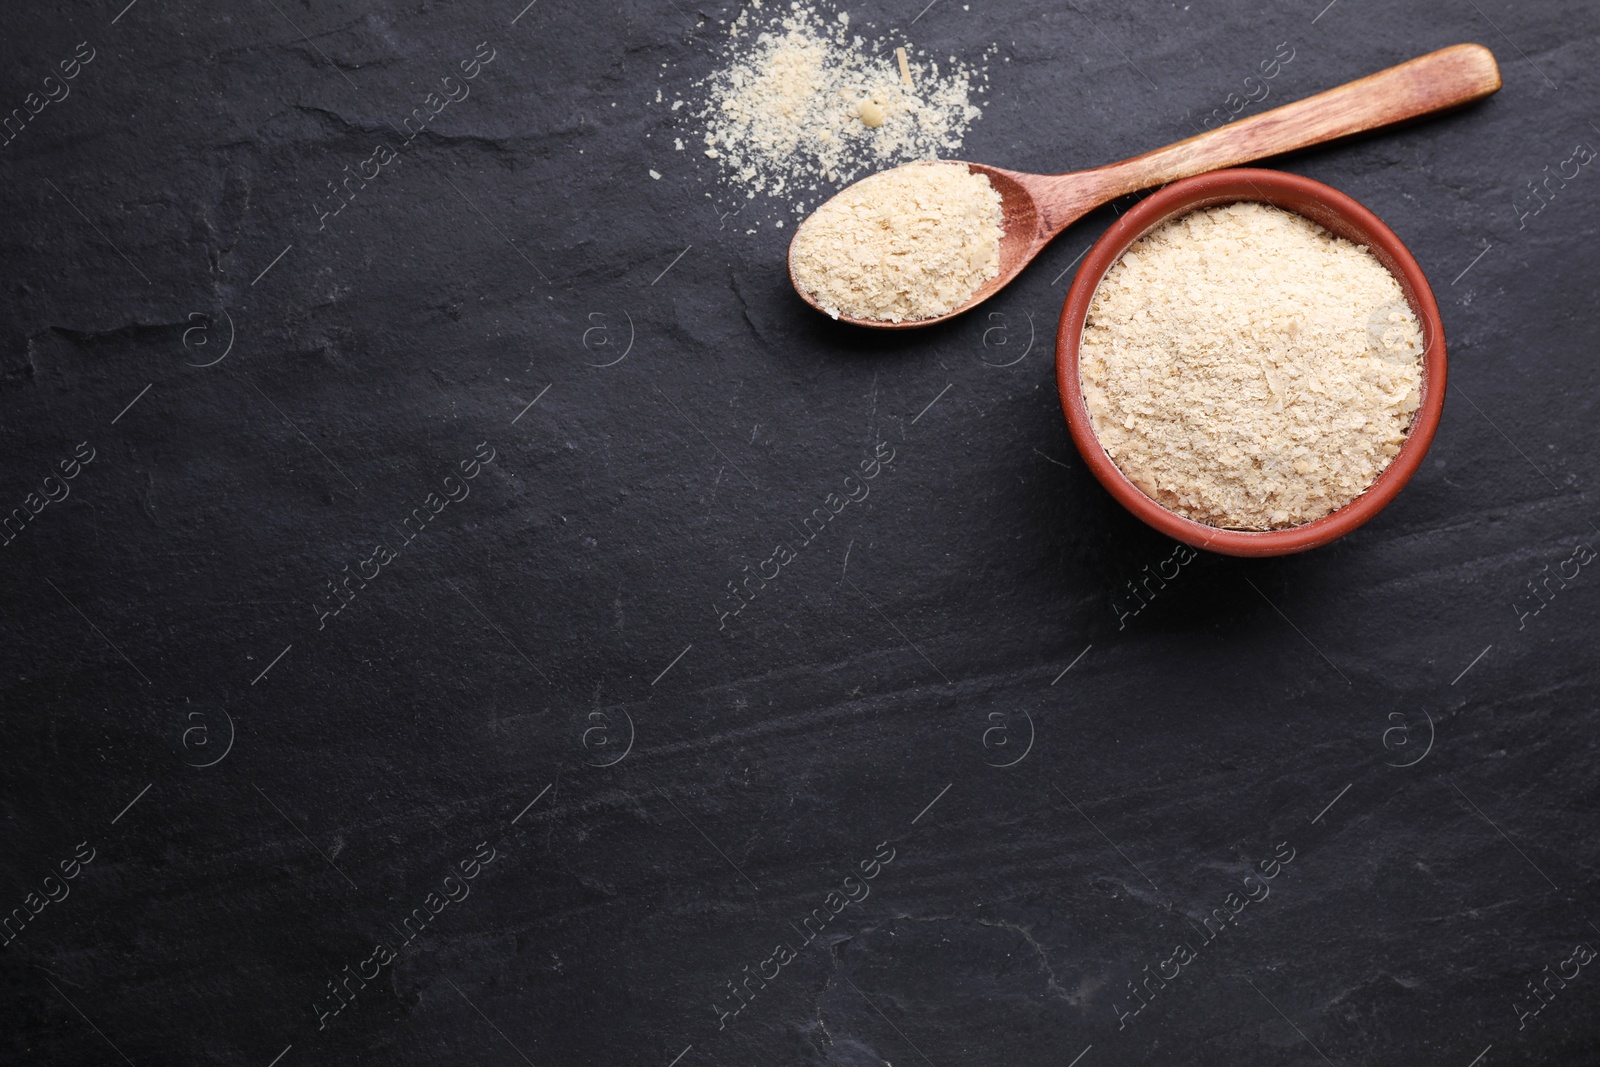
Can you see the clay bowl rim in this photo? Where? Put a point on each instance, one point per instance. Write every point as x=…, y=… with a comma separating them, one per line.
x=1341, y=215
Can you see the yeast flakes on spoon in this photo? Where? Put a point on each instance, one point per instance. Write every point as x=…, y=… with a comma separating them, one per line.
x=910, y=243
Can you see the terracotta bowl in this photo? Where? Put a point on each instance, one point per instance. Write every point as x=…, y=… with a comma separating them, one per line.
x=1340, y=215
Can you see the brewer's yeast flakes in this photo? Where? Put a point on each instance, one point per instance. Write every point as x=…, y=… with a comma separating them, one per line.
x=1247, y=369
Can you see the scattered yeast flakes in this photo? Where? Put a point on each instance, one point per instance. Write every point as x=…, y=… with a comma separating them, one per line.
x=910, y=243
x=1247, y=369
x=801, y=105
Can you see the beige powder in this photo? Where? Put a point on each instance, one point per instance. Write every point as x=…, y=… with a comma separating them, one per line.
x=911, y=243
x=1247, y=369
x=802, y=103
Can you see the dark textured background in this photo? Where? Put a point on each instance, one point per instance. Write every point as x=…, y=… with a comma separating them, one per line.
x=567, y=606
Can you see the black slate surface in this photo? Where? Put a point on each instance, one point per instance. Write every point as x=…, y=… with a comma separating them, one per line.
x=529, y=721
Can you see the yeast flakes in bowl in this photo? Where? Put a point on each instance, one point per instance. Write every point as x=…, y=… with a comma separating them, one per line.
x=1251, y=362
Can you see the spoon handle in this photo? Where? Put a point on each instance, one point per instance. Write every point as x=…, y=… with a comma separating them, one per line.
x=1437, y=81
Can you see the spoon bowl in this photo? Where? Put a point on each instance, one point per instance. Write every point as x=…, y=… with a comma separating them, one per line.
x=1022, y=237
x=1037, y=207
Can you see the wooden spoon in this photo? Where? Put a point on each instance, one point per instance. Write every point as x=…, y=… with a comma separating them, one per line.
x=1037, y=207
